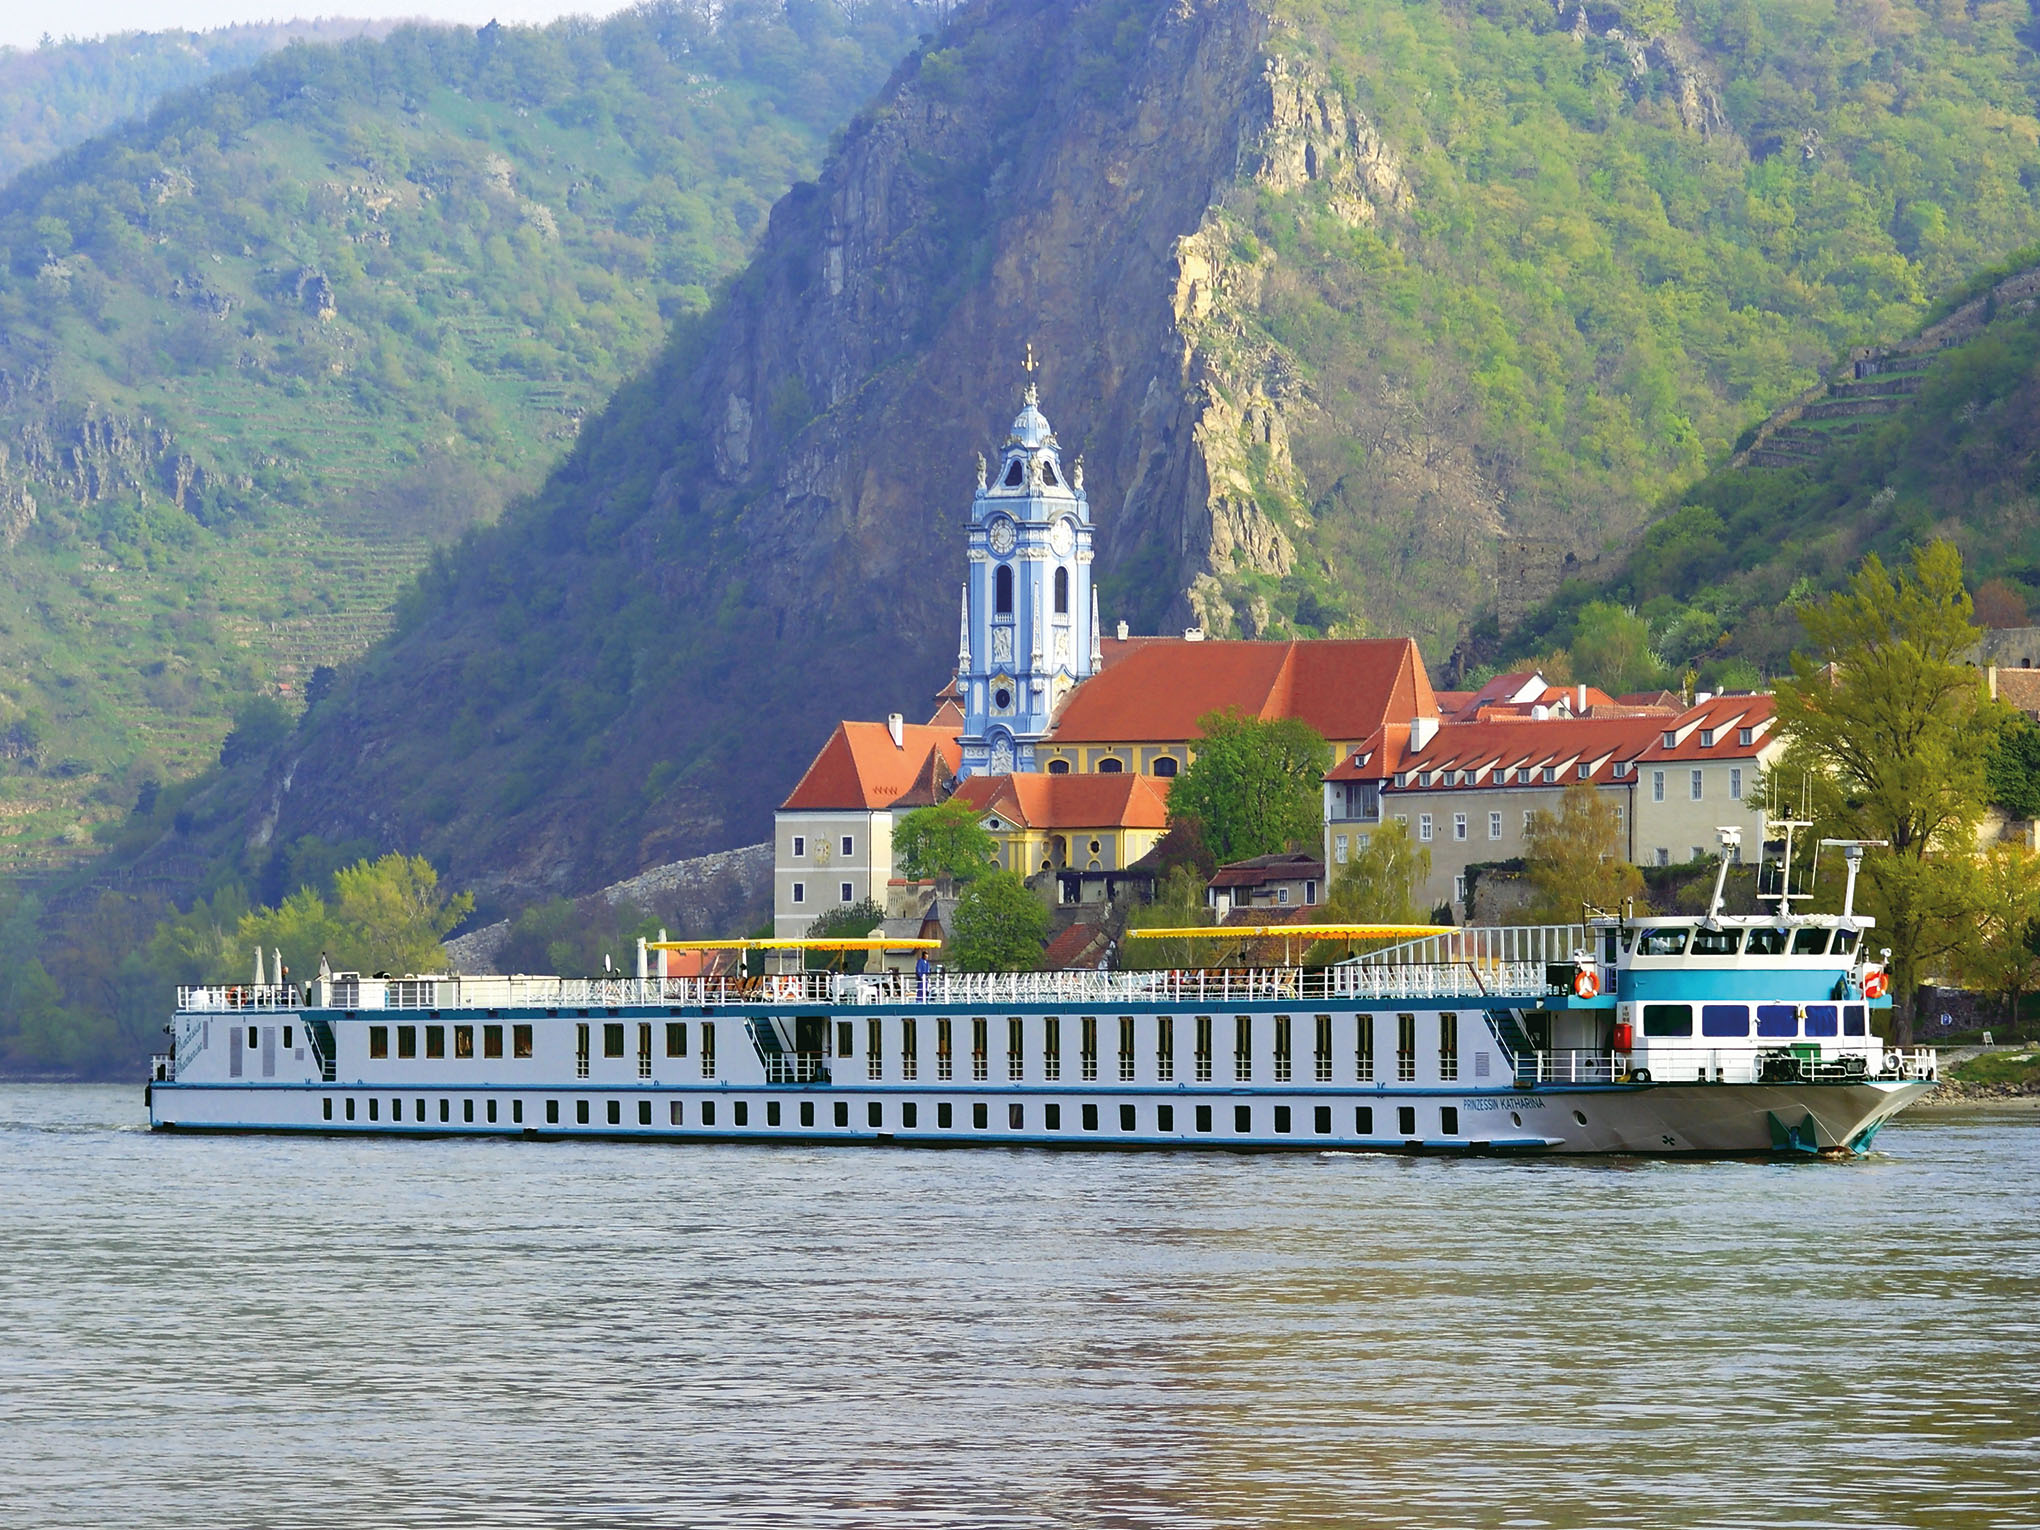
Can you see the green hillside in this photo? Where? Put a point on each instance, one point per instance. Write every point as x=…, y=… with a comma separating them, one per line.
x=264, y=348
x=64, y=92
x=1940, y=437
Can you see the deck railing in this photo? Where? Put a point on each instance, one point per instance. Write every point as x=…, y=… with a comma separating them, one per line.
x=1714, y=1065
x=1353, y=982
x=1485, y=946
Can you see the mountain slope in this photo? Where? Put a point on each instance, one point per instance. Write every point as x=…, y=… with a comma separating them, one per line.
x=1333, y=299
x=66, y=92
x=1939, y=436
x=263, y=349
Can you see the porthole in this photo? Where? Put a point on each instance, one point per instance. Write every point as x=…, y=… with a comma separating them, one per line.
x=1580, y=1116
x=1515, y=1118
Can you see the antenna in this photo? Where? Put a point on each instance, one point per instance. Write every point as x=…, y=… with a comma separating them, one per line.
x=1852, y=856
x=1731, y=846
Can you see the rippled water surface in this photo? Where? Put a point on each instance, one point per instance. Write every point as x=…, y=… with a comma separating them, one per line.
x=208, y=1331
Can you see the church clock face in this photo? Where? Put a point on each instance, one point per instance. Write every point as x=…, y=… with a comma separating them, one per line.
x=1000, y=535
x=1062, y=539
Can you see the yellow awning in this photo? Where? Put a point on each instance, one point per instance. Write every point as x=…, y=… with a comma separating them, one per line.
x=1306, y=931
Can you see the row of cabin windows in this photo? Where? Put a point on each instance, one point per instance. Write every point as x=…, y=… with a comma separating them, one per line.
x=435, y=1040
x=846, y=892
x=1089, y=1115
x=1162, y=1036
x=848, y=845
x=1732, y=1021
x=1002, y=591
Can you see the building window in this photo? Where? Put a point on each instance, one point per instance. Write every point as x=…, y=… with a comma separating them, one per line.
x=1696, y=785
x=1664, y=856
x=1281, y=895
x=1528, y=813
x=849, y=845
x=1459, y=826
x=1671, y=740
x=1550, y=774
x=799, y=846
x=1111, y=765
x=800, y=892
x=1165, y=765
x=1657, y=786
x=1585, y=770
x=845, y=893
x=1339, y=848
x=1735, y=784
x=1746, y=736
x=1459, y=889
x=1494, y=826
x=1062, y=592
x=1424, y=827
x=1002, y=590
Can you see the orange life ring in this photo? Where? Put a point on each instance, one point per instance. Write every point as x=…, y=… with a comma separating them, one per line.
x=1585, y=984
x=1875, y=982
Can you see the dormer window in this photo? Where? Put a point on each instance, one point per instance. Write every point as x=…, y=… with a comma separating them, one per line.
x=1523, y=775
x=1585, y=770
x=1402, y=778
x=1550, y=773
x=1746, y=736
x=1671, y=740
x=1424, y=778
x=1014, y=472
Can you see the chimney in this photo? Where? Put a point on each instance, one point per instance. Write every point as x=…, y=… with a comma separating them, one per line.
x=1422, y=731
x=896, y=725
x=1990, y=676
x=1580, y=706
x=1122, y=636
x=1193, y=634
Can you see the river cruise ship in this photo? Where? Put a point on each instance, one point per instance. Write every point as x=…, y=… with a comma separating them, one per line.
x=1747, y=1033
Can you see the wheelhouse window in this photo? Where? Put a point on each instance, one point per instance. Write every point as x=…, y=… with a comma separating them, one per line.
x=1662, y=942
x=1717, y=942
x=1766, y=940
x=1812, y=941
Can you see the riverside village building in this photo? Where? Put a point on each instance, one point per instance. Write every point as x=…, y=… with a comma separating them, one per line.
x=1065, y=739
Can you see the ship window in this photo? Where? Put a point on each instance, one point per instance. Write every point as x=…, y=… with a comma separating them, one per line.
x=1321, y=1120
x=1363, y=1120
x=1716, y=942
x=1051, y=1117
x=1777, y=1020
x=407, y=1041
x=1853, y=1020
x=1002, y=590
x=580, y=1112
x=1448, y=1120
x=1766, y=941
x=1821, y=1020
x=910, y=1115
x=373, y=1106
x=1204, y=1118
x=467, y=1111
x=675, y=1114
x=612, y=1040
x=350, y=1107
x=1406, y=1120
x=517, y=1111
x=1282, y=1118
x=463, y=1041
x=1810, y=942
x=1668, y=1019
x=1724, y=1019
x=1662, y=943
x=435, y=1041
x=945, y=1116
x=552, y=1112
x=378, y=1041
x=520, y=1041
x=329, y=1107
x=1845, y=943
x=1165, y=1118
x=616, y=1112
x=445, y=1109
x=492, y=1041
x=491, y=1108
x=676, y=1038
x=1062, y=592
x=771, y=1113
x=846, y=1038
x=1165, y=1048
x=1090, y=1118
x=842, y=1112
x=708, y=1112
x=874, y=1114
x=1243, y=1118
x=1126, y=1118
x=807, y=1112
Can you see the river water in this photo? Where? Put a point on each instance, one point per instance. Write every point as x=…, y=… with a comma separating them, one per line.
x=250, y=1331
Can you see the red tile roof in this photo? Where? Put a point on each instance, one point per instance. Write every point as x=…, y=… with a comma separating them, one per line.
x=1155, y=689
x=1079, y=948
x=1512, y=743
x=861, y=767
x=1265, y=870
x=1071, y=802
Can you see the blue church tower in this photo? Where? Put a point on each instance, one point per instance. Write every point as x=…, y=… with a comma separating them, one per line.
x=1030, y=614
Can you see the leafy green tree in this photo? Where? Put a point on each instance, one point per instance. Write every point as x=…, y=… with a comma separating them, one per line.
x=2013, y=770
x=1575, y=857
x=999, y=926
x=387, y=915
x=2002, y=954
x=1891, y=735
x=1611, y=648
x=1379, y=884
x=1254, y=787
x=852, y=921
x=946, y=840
x=1178, y=905
x=571, y=938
